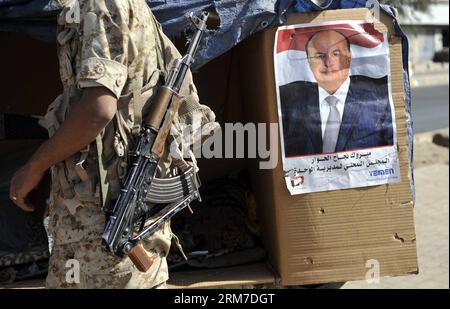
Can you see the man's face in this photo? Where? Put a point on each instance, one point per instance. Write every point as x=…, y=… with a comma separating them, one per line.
x=329, y=59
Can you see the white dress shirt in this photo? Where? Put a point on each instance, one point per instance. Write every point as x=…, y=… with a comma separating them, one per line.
x=340, y=94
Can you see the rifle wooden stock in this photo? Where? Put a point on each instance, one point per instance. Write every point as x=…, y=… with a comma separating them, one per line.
x=140, y=258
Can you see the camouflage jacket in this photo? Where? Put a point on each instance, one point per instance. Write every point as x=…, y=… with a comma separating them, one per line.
x=117, y=44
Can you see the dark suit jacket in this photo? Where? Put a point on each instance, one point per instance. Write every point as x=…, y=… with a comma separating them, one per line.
x=367, y=119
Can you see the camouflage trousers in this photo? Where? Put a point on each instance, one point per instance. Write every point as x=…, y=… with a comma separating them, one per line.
x=79, y=261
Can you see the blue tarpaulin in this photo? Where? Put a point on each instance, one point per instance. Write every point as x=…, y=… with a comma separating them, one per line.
x=239, y=19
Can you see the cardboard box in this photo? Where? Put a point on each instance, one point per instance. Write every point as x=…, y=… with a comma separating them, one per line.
x=329, y=236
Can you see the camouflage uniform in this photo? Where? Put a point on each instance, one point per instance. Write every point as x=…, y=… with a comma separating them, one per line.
x=115, y=44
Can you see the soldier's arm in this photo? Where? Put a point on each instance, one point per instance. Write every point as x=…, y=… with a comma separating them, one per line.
x=87, y=119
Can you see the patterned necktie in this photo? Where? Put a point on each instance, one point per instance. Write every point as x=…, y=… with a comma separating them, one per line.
x=333, y=125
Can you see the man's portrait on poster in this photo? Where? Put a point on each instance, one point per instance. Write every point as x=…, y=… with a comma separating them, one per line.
x=340, y=108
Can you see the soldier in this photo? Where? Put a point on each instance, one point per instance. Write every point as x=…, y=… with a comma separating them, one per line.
x=111, y=61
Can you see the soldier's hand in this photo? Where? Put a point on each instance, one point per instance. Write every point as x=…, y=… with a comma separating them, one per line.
x=23, y=181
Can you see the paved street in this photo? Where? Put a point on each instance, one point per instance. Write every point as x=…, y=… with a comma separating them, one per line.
x=430, y=108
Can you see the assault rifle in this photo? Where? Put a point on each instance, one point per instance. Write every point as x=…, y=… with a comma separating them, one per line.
x=127, y=222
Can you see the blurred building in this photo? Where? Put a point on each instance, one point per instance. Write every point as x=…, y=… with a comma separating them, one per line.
x=428, y=33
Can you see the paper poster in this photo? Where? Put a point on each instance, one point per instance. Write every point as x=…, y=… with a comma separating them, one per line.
x=335, y=106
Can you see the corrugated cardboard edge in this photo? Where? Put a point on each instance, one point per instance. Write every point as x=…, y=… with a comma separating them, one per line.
x=330, y=236
x=257, y=67
x=237, y=276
